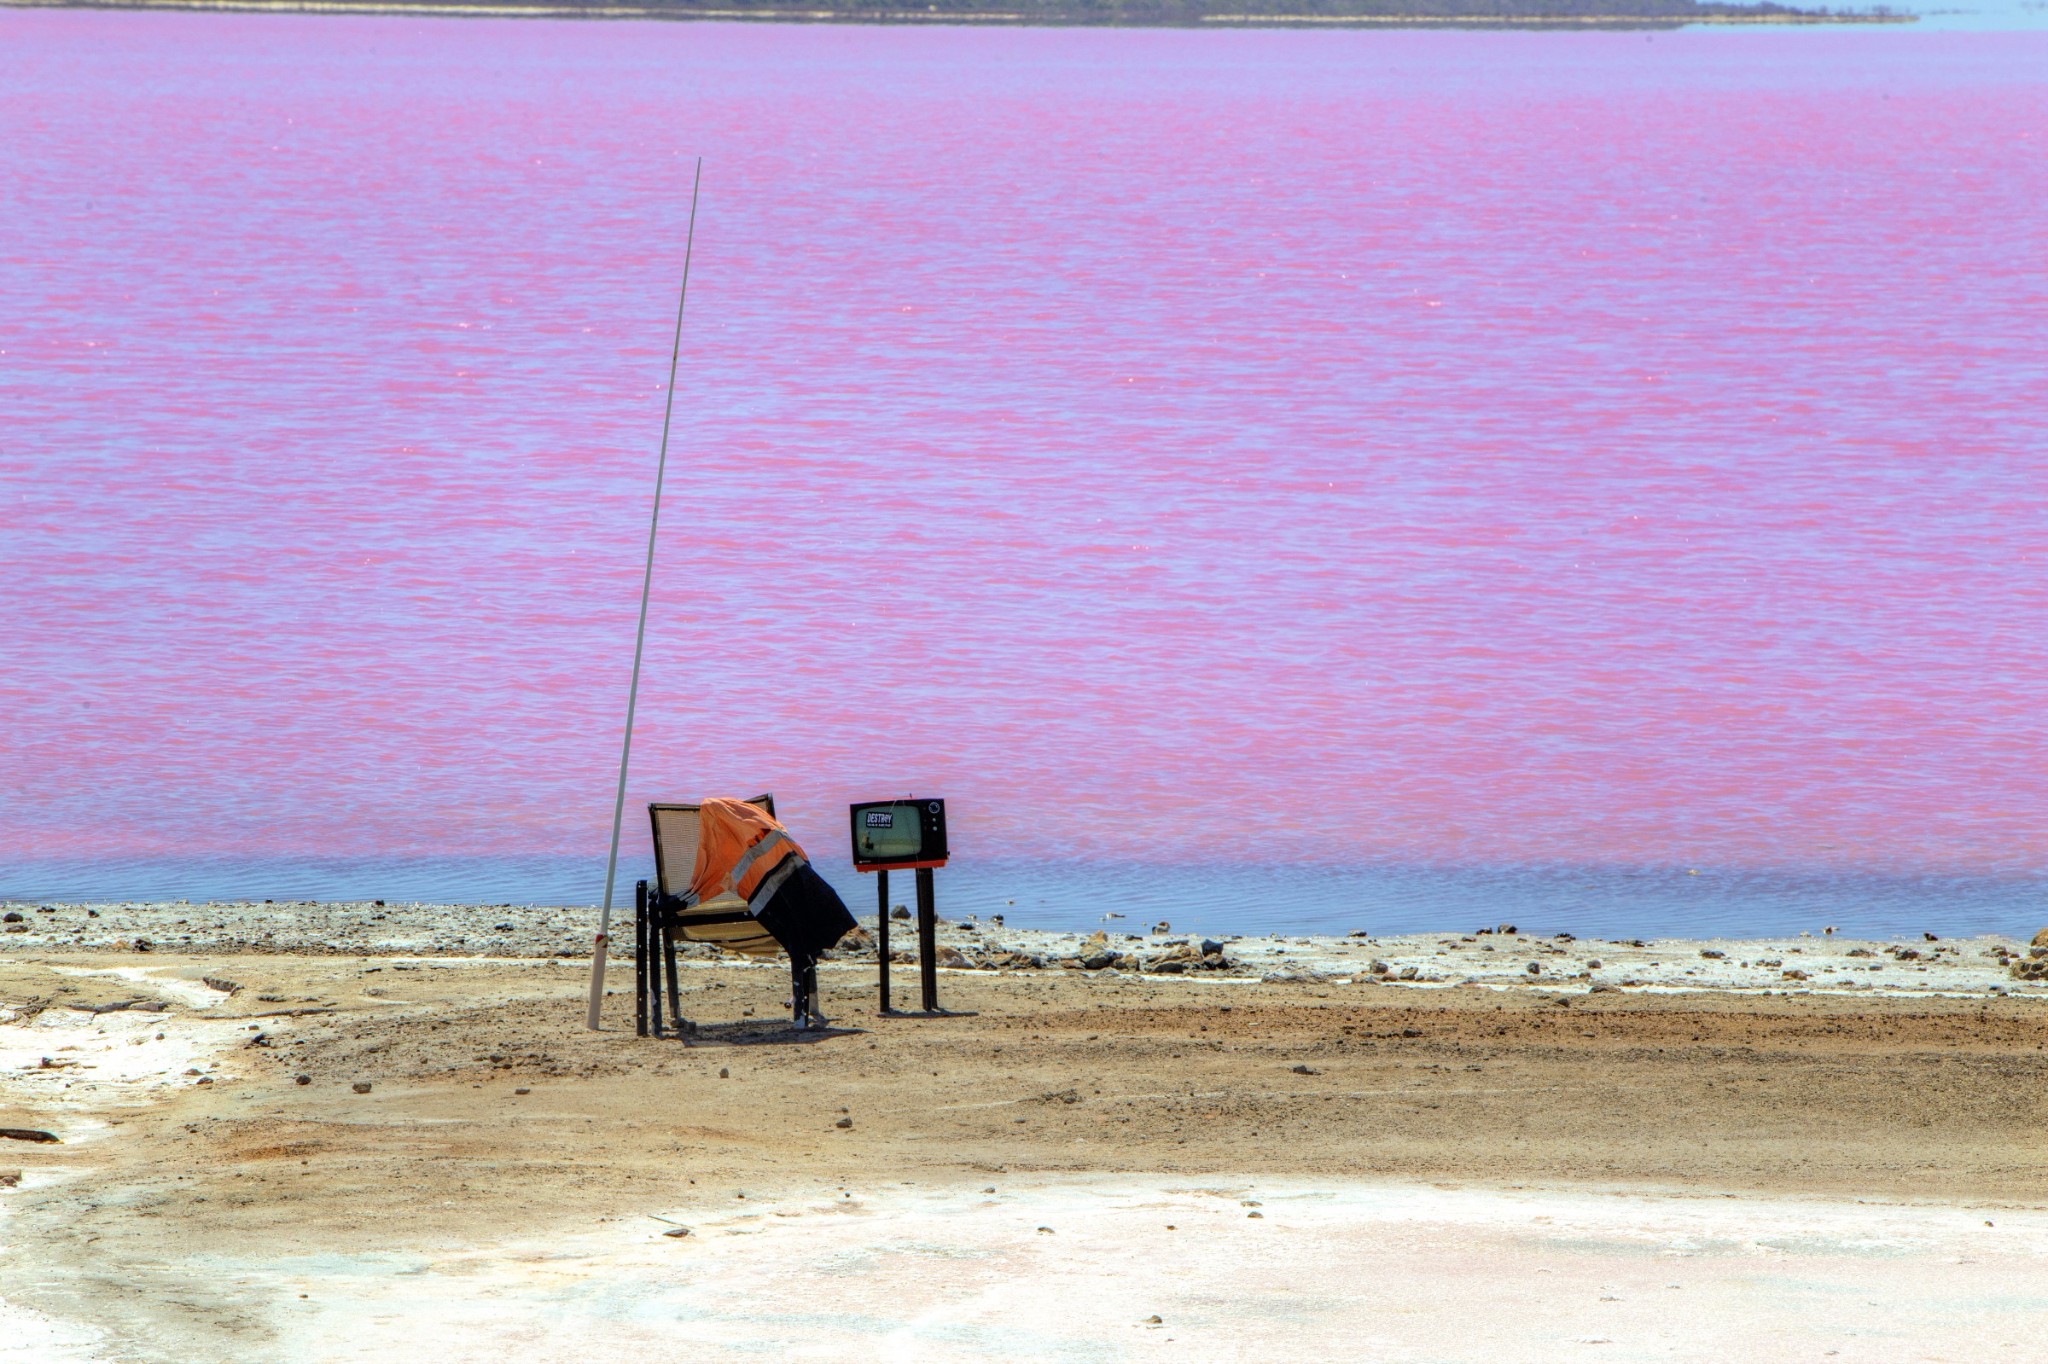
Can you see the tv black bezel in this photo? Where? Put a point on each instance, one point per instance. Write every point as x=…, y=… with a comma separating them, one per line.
x=926, y=856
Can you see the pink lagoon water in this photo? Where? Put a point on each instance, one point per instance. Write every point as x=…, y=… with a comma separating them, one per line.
x=1300, y=479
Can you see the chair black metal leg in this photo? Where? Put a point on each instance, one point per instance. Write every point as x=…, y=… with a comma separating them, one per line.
x=675, y=992
x=640, y=959
x=655, y=932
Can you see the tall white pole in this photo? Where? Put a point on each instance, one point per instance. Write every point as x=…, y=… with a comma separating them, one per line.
x=611, y=869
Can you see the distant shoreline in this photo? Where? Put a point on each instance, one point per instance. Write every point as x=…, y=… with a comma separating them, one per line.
x=455, y=9
x=1907, y=966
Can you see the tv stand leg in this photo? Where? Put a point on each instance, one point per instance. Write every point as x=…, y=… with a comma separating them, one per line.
x=927, y=940
x=882, y=932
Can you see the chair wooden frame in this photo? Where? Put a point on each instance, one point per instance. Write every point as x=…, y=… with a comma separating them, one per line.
x=659, y=921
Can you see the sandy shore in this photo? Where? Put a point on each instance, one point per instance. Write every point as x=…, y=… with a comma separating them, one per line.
x=1479, y=1162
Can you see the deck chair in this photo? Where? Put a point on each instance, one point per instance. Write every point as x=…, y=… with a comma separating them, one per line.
x=658, y=925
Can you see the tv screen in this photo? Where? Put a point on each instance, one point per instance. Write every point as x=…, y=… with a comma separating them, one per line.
x=899, y=832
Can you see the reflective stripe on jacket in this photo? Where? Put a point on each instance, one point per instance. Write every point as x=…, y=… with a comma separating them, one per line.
x=741, y=851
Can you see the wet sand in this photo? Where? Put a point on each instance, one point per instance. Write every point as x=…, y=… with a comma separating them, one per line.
x=1488, y=1163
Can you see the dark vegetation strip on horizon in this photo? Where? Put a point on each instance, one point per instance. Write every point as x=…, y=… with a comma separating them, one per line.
x=1100, y=13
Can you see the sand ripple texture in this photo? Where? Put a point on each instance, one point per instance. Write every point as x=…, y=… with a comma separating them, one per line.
x=328, y=1158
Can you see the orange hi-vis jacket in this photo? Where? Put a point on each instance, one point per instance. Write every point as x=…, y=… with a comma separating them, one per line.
x=741, y=851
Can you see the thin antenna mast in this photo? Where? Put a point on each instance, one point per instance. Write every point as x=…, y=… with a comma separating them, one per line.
x=611, y=870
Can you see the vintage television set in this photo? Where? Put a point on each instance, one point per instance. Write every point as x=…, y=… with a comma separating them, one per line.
x=898, y=834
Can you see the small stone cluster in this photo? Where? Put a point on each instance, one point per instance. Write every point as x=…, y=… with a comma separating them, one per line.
x=2034, y=965
x=1178, y=958
x=1094, y=953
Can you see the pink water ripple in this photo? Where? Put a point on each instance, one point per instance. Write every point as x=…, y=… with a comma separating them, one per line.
x=1437, y=448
